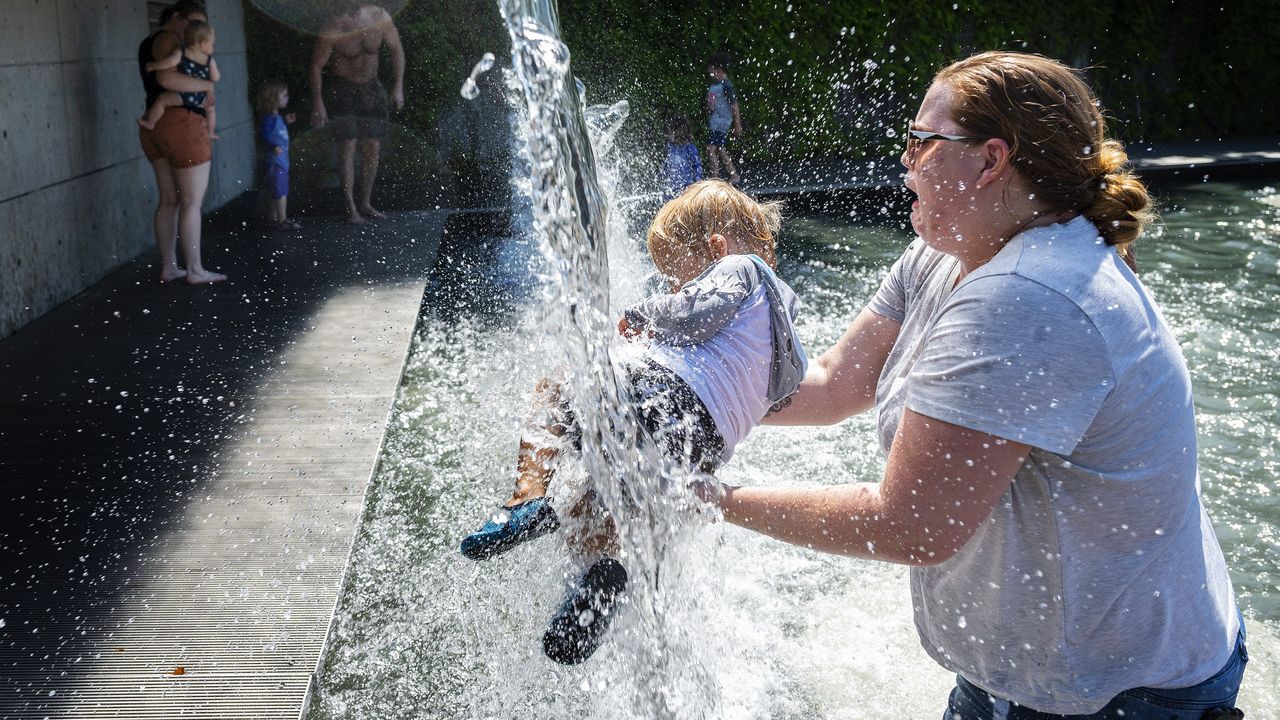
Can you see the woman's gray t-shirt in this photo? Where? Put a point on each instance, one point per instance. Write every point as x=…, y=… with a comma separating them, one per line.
x=1098, y=571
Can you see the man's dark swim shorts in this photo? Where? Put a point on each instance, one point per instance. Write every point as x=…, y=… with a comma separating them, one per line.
x=357, y=110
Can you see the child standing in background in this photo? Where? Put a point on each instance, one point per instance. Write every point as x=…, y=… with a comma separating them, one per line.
x=683, y=166
x=722, y=106
x=194, y=60
x=274, y=135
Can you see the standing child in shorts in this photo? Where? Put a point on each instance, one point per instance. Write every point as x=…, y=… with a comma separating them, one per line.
x=274, y=136
x=722, y=107
x=683, y=166
x=194, y=60
x=719, y=349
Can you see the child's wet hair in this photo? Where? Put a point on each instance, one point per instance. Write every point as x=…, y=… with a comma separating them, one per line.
x=719, y=60
x=715, y=207
x=678, y=128
x=196, y=33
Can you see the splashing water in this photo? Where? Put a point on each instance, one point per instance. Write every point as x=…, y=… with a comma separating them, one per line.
x=733, y=625
x=470, y=90
x=631, y=477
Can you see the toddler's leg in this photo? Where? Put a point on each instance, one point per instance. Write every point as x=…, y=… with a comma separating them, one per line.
x=713, y=161
x=592, y=533
x=526, y=515
x=212, y=116
x=728, y=165
x=539, y=444
x=156, y=111
x=578, y=628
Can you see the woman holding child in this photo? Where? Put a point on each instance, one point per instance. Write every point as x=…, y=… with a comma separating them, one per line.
x=1037, y=417
x=178, y=147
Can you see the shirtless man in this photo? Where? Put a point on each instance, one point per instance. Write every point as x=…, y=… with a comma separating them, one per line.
x=355, y=105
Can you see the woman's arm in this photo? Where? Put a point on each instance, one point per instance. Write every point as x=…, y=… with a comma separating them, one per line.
x=940, y=484
x=165, y=63
x=842, y=382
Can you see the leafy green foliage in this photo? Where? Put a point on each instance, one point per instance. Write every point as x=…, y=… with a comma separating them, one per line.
x=833, y=78
x=840, y=78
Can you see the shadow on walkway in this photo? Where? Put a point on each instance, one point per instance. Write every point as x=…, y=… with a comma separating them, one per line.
x=120, y=408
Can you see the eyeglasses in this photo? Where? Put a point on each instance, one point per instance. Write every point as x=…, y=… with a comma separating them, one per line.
x=916, y=138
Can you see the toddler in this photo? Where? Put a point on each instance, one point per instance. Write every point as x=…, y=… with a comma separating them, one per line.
x=273, y=135
x=722, y=107
x=682, y=167
x=718, y=351
x=194, y=60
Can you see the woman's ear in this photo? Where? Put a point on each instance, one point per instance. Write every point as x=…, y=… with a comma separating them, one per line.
x=996, y=158
x=719, y=246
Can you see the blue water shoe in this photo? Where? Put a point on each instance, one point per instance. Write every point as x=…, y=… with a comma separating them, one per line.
x=577, y=629
x=510, y=526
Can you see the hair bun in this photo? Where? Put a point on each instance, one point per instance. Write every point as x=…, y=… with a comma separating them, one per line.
x=1121, y=207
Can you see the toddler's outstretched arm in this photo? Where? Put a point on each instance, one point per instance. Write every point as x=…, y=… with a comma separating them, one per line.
x=701, y=308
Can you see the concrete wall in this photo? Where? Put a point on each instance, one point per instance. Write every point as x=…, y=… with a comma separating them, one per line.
x=76, y=194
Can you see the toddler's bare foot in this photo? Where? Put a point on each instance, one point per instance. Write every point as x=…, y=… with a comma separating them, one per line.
x=204, y=277
x=215, y=136
x=144, y=122
x=369, y=210
x=171, y=275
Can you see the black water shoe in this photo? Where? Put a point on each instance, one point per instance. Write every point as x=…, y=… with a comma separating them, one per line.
x=575, y=632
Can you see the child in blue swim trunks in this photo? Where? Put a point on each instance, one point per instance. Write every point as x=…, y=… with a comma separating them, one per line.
x=194, y=60
x=718, y=351
x=273, y=136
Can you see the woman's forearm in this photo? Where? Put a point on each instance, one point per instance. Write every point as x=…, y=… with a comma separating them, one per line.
x=843, y=519
x=177, y=82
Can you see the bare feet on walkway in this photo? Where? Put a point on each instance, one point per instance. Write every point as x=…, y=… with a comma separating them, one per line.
x=369, y=210
x=204, y=277
x=355, y=218
x=171, y=275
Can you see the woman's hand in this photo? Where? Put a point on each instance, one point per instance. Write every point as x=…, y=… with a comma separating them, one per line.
x=627, y=331
x=319, y=117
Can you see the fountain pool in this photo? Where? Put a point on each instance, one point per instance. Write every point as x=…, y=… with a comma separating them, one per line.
x=758, y=629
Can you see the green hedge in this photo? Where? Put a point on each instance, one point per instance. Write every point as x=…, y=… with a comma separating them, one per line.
x=828, y=78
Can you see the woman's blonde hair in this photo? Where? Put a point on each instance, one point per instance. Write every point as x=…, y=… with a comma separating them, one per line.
x=715, y=207
x=1057, y=138
x=267, y=101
